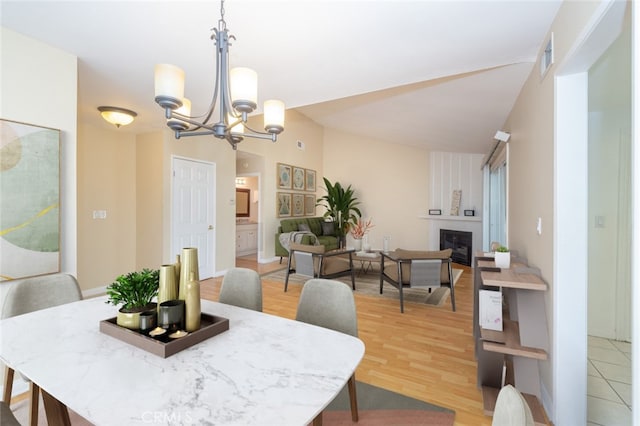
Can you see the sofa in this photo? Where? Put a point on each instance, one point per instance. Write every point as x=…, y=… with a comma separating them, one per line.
x=308, y=231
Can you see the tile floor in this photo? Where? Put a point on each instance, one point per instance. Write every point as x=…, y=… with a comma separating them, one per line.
x=608, y=382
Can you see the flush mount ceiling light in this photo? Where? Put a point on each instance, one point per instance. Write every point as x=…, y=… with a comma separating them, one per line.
x=236, y=91
x=117, y=116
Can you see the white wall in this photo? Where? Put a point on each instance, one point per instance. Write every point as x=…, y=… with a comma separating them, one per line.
x=609, y=196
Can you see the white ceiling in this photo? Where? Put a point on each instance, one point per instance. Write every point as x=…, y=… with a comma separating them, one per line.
x=442, y=74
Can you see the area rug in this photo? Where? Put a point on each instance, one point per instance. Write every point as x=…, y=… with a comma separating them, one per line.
x=381, y=407
x=369, y=285
x=376, y=407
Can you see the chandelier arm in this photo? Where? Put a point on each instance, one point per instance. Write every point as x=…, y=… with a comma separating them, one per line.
x=188, y=133
x=258, y=132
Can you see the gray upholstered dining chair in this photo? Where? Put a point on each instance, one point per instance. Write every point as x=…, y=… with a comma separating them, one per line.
x=417, y=269
x=242, y=287
x=330, y=304
x=26, y=295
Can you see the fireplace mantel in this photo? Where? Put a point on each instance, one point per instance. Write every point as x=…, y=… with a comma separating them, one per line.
x=471, y=224
x=459, y=218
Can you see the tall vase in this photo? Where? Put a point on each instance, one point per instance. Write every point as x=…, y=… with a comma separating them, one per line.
x=192, y=304
x=189, y=264
x=177, y=268
x=357, y=244
x=168, y=287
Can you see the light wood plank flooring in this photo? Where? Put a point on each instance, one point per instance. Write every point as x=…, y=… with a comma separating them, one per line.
x=425, y=353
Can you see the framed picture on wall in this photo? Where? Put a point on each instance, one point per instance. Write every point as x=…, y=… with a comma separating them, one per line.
x=310, y=180
x=297, y=204
x=283, y=204
x=298, y=178
x=310, y=205
x=284, y=176
x=29, y=200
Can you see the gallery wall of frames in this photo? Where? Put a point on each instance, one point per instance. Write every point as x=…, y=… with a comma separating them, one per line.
x=296, y=191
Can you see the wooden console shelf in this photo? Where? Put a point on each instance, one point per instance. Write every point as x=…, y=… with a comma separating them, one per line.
x=510, y=278
x=524, y=341
x=511, y=345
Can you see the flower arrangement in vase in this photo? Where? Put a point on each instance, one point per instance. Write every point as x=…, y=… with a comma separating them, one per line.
x=358, y=231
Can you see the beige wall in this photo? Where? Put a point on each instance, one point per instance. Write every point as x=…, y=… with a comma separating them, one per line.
x=297, y=128
x=39, y=86
x=149, y=183
x=531, y=160
x=106, y=181
x=390, y=181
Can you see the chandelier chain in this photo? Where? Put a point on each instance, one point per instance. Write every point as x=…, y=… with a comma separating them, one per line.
x=223, y=24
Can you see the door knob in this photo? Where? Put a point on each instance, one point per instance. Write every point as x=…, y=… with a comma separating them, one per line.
x=210, y=227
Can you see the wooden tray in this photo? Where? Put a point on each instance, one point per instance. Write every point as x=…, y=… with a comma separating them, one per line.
x=209, y=326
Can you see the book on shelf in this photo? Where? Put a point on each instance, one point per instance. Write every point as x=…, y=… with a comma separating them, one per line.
x=490, y=309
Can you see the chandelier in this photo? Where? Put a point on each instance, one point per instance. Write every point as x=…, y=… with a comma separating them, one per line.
x=236, y=91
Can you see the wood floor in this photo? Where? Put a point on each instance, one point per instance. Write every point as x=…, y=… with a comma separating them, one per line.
x=425, y=353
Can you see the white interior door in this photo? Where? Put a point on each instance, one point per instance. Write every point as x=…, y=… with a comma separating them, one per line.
x=193, y=211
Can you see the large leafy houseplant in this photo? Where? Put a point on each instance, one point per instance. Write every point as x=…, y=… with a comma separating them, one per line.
x=134, y=291
x=341, y=205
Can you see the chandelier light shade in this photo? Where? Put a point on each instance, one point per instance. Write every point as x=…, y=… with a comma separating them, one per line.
x=117, y=116
x=235, y=96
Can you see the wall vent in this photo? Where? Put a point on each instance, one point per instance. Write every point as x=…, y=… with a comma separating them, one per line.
x=546, y=59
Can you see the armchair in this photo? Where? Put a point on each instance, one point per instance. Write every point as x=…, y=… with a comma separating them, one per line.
x=417, y=269
x=315, y=262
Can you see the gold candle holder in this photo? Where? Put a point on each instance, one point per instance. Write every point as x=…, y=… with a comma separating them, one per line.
x=188, y=265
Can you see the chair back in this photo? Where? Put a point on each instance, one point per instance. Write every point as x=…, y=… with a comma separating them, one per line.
x=242, y=287
x=328, y=304
x=511, y=409
x=32, y=294
x=304, y=263
x=425, y=273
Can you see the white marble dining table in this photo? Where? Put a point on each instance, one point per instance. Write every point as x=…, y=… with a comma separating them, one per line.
x=264, y=370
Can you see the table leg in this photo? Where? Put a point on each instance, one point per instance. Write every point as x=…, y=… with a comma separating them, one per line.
x=318, y=420
x=57, y=413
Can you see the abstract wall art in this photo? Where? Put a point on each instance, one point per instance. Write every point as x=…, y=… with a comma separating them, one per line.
x=29, y=200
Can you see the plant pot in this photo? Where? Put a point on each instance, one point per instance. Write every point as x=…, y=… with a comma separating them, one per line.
x=130, y=318
x=503, y=260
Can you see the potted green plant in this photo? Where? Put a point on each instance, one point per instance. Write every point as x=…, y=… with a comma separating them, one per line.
x=134, y=293
x=502, y=257
x=341, y=205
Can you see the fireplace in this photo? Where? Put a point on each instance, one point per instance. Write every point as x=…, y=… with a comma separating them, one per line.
x=460, y=242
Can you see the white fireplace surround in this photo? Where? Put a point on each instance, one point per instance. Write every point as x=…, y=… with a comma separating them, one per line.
x=471, y=224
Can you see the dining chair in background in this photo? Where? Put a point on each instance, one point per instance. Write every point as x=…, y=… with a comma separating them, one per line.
x=242, y=287
x=330, y=304
x=26, y=295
